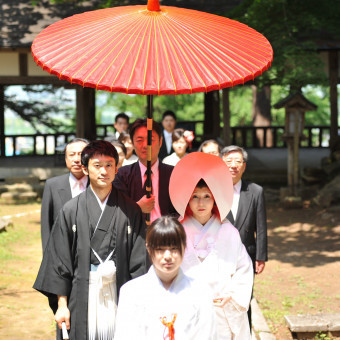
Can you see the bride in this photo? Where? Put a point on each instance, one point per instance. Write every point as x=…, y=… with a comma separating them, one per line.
x=215, y=254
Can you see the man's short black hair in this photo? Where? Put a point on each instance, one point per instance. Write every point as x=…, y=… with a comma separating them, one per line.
x=76, y=140
x=210, y=141
x=169, y=113
x=98, y=147
x=122, y=115
x=143, y=122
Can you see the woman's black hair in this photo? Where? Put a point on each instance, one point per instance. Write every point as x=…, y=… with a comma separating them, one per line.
x=124, y=136
x=177, y=134
x=98, y=147
x=166, y=231
x=202, y=184
x=120, y=145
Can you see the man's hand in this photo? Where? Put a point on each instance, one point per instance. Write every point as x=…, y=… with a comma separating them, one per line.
x=259, y=266
x=146, y=204
x=63, y=313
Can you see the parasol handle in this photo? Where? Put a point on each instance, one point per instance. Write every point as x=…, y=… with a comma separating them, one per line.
x=149, y=149
x=64, y=331
x=153, y=5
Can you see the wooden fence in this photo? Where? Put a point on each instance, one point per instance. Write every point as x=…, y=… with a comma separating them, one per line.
x=245, y=136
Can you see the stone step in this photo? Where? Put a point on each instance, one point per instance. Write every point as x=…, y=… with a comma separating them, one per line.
x=306, y=326
x=17, y=197
x=22, y=187
x=4, y=223
x=24, y=179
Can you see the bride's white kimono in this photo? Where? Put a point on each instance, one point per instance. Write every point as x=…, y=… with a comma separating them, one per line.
x=216, y=255
x=144, y=301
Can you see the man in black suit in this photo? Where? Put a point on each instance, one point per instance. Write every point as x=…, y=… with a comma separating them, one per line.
x=121, y=124
x=131, y=178
x=248, y=211
x=60, y=189
x=169, y=123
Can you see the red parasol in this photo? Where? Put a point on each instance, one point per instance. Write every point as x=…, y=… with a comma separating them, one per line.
x=151, y=50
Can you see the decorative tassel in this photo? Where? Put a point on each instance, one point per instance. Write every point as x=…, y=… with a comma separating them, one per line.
x=170, y=327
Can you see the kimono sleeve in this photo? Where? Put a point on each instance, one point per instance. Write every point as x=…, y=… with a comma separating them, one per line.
x=138, y=257
x=57, y=268
x=46, y=214
x=240, y=291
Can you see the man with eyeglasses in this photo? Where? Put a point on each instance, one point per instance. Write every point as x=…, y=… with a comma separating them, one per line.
x=248, y=211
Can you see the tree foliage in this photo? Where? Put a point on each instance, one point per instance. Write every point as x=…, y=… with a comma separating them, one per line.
x=294, y=28
x=186, y=107
x=44, y=107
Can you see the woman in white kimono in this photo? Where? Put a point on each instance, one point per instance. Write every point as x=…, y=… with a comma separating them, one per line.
x=215, y=253
x=165, y=303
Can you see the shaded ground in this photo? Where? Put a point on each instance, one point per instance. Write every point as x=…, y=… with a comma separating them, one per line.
x=302, y=275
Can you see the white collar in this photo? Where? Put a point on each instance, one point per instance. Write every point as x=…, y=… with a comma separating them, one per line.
x=102, y=205
x=201, y=227
x=166, y=133
x=74, y=180
x=237, y=186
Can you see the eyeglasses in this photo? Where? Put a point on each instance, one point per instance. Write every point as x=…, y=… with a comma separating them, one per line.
x=233, y=161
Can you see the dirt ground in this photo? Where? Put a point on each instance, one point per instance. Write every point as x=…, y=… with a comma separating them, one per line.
x=302, y=275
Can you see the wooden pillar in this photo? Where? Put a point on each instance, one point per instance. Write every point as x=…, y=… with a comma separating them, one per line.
x=226, y=117
x=296, y=152
x=212, y=115
x=2, y=121
x=333, y=82
x=86, y=113
x=290, y=165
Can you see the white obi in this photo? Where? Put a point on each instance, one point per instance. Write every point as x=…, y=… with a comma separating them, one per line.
x=102, y=302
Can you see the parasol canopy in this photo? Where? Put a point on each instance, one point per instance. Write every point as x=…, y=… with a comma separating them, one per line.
x=152, y=50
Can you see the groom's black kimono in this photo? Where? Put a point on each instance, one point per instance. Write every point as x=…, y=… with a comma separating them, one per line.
x=66, y=262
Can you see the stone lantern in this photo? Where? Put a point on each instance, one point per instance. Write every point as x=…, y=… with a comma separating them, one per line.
x=295, y=105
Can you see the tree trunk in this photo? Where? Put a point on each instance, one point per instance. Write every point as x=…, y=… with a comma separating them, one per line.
x=212, y=115
x=333, y=81
x=262, y=115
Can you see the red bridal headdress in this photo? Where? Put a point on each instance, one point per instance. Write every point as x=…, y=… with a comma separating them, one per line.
x=188, y=172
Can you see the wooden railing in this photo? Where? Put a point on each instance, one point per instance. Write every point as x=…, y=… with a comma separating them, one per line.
x=246, y=136
x=271, y=136
x=36, y=145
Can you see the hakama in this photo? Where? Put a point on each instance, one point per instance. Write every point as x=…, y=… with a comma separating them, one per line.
x=215, y=255
x=144, y=301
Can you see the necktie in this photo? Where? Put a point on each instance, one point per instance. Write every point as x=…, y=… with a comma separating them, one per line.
x=230, y=217
x=145, y=191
